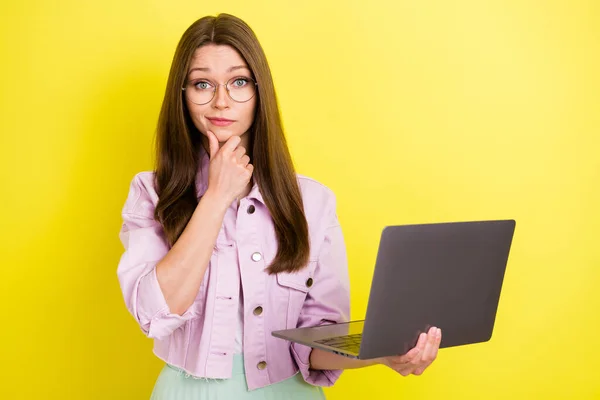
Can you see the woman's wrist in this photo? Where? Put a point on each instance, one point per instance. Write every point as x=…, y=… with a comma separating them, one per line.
x=215, y=201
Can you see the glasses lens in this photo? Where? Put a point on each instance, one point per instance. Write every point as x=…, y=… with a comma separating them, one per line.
x=200, y=92
x=241, y=89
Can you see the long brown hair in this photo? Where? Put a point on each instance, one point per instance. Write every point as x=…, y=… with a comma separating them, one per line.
x=178, y=141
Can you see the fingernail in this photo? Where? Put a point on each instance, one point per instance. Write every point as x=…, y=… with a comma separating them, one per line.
x=438, y=332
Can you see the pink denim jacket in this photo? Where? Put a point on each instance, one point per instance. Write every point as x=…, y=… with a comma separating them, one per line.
x=201, y=340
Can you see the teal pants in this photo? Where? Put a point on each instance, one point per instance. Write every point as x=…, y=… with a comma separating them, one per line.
x=174, y=384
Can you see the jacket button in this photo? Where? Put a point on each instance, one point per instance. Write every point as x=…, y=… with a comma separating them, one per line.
x=309, y=282
x=256, y=256
x=258, y=310
x=251, y=209
x=261, y=365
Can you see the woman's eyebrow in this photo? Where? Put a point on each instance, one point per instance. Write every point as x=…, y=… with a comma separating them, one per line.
x=205, y=69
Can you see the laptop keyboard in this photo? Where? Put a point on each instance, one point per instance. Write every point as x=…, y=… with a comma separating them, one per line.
x=348, y=342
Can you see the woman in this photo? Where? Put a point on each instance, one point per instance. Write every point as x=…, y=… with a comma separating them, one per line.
x=225, y=243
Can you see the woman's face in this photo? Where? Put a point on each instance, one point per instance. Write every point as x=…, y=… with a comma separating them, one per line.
x=212, y=65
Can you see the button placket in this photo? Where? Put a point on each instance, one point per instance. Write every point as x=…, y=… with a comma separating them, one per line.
x=251, y=259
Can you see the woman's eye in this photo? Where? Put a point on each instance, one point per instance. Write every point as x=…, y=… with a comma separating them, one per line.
x=203, y=85
x=239, y=82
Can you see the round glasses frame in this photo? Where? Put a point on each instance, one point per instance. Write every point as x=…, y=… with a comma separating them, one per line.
x=226, y=89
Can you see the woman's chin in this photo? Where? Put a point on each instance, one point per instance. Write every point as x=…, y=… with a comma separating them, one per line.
x=224, y=135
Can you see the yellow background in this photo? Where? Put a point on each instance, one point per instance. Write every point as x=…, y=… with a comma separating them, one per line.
x=411, y=111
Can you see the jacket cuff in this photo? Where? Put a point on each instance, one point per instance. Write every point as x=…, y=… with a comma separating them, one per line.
x=325, y=377
x=156, y=319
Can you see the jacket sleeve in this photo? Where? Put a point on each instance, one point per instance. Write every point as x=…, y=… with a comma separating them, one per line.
x=328, y=300
x=145, y=245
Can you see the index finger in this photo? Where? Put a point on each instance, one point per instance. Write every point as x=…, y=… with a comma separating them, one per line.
x=433, y=344
x=231, y=144
x=213, y=144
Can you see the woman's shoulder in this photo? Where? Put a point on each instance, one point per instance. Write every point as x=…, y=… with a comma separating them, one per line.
x=308, y=184
x=142, y=198
x=315, y=195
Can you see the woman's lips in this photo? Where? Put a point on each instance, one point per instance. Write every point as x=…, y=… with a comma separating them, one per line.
x=220, y=121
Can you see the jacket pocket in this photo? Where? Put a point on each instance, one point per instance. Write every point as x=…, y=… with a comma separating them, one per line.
x=298, y=281
x=294, y=288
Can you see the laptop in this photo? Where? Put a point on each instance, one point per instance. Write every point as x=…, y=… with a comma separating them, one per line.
x=447, y=275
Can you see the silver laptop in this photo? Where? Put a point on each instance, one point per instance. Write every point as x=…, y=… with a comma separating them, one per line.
x=447, y=275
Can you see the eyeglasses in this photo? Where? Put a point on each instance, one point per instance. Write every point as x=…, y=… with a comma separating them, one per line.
x=240, y=90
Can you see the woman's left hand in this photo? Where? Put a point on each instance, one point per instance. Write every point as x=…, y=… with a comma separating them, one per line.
x=419, y=357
